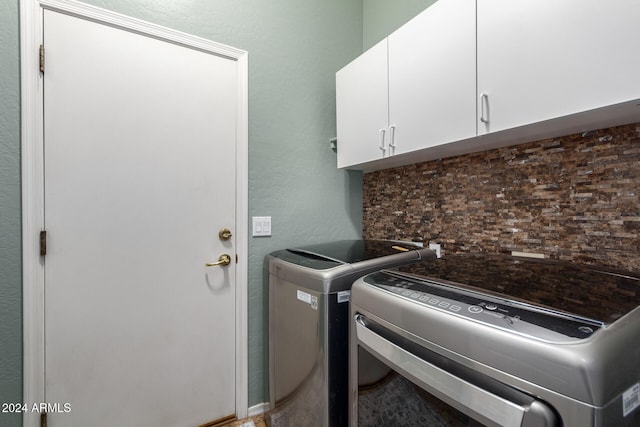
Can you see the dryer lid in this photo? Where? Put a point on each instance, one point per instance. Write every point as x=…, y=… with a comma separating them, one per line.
x=593, y=292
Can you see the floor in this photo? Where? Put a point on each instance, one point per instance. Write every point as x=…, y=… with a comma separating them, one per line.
x=398, y=402
x=248, y=422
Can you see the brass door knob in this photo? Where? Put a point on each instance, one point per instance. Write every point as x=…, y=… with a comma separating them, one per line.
x=222, y=261
x=225, y=234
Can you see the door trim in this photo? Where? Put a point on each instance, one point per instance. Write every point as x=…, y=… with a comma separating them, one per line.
x=31, y=35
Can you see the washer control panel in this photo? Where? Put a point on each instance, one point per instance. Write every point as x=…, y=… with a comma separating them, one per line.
x=527, y=319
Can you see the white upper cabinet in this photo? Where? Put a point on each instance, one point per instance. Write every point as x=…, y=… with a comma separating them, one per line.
x=414, y=89
x=544, y=59
x=362, y=108
x=466, y=76
x=432, y=77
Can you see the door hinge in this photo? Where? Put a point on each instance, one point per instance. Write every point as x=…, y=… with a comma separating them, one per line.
x=43, y=419
x=43, y=242
x=42, y=58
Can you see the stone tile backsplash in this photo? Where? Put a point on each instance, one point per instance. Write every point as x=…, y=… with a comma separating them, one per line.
x=570, y=198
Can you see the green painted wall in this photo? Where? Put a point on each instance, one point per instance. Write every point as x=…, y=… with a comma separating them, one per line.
x=294, y=50
x=10, y=234
x=382, y=17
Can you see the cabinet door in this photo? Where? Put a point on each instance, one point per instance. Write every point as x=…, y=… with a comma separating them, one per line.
x=541, y=59
x=432, y=77
x=362, y=107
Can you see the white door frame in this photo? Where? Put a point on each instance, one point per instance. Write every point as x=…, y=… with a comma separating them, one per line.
x=31, y=34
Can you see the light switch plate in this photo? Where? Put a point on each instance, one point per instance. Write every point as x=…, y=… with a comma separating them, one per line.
x=261, y=226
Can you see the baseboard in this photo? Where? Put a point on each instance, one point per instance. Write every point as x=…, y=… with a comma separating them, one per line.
x=258, y=409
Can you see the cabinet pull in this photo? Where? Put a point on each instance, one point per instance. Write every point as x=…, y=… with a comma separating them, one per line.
x=392, y=138
x=381, y=133
x=484, y=108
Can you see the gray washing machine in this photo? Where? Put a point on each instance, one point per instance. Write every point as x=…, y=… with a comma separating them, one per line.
x=309, y=291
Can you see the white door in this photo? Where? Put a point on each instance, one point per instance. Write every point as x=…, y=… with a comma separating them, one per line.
x=139, y=163
x=432, y=78
x=541, y=59
x=362, y=108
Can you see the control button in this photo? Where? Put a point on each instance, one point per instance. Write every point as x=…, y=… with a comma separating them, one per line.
x=444, y=304
x=475, y=309
x=415, y=295
x=490, y=307
x=424, y=298
x=434, y=301
x=407, y=293
x=455, y=308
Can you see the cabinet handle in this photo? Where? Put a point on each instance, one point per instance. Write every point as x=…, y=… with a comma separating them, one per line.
x=392, y=138
x=381, y=133
x=484, y=108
